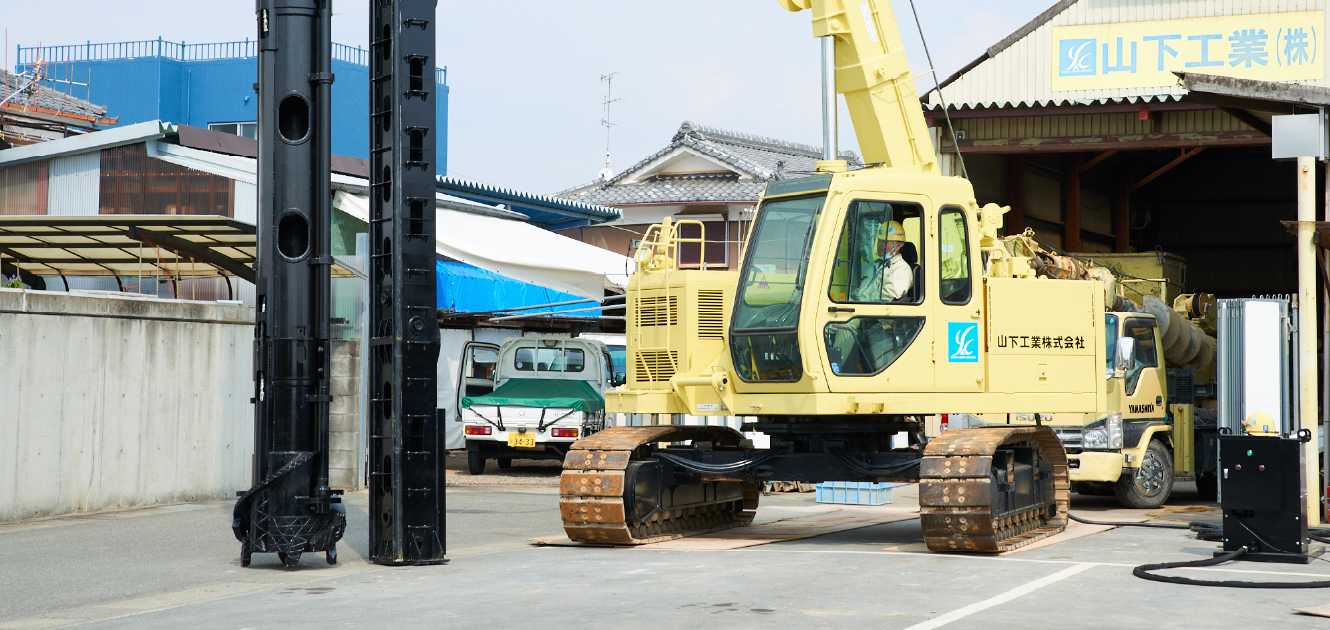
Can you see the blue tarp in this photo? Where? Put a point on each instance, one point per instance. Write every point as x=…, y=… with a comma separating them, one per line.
x=470, y=289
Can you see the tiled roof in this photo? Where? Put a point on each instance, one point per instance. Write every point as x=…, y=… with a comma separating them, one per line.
x=46, y=98
x=754, y=160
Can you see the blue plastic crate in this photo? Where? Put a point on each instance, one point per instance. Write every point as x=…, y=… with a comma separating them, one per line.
x=854, y=492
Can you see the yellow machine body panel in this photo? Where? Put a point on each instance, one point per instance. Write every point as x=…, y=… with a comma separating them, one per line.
x=958, y=342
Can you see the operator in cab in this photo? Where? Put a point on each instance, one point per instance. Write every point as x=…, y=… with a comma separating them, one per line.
x=894, y=276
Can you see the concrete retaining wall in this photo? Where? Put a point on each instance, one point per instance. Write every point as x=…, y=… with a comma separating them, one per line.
x=344, y=459
x=110, y=402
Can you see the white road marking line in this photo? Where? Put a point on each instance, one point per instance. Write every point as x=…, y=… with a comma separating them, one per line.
x=961, y=613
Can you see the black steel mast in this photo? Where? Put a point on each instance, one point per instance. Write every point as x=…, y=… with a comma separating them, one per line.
x=291, y=510
x=406, y=447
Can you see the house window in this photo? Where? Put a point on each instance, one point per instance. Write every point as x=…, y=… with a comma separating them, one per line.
x=133, y=183
x=246, y=129
x=23, y=188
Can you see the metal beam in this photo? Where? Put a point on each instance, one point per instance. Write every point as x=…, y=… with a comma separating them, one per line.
x=1064, y=110
x=1071, y=205
x=189, y=249
x=1097, y=159
x=1081, y=144
x=1164, y=169
x=1249, y=119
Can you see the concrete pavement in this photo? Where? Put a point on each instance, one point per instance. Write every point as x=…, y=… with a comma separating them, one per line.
x=179, y=567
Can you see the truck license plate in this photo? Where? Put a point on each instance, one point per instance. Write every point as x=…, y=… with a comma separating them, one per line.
x=522, y=440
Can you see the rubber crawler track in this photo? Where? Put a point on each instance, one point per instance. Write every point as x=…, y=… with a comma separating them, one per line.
x=954, y=494
x=591, y=490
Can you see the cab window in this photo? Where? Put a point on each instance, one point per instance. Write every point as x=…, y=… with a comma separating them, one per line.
x=953, y=257
x=878, y=257
x=549, y=360
x=1146, y=356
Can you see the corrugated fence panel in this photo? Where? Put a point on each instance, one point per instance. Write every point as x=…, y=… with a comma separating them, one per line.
x=247, y=200
x=74, y=187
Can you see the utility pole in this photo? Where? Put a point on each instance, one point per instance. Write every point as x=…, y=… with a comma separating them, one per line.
x=608, y=80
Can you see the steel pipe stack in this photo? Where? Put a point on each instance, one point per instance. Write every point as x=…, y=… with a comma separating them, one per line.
x=291, y=510
x=406, y=444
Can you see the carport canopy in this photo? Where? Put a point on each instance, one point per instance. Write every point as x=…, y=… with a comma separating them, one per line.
x=125, y=245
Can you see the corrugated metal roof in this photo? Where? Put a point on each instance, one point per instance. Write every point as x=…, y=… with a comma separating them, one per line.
x=544, y=210
x=1016, y=71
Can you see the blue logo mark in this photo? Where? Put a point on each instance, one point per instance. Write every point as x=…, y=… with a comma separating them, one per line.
x=962, y=342
x=1076, y=57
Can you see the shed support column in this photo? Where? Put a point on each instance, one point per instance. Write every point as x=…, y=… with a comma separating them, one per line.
x=1014, y=220
x=1307, y=330
x=1071, y=206
x=1122, y=221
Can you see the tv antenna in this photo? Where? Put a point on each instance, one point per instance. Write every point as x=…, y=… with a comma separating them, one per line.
x=608, y=79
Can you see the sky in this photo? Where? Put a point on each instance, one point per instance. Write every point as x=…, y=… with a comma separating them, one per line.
x=525, y=75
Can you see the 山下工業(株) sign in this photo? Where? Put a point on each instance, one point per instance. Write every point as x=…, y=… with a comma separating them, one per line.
x=1264, y=46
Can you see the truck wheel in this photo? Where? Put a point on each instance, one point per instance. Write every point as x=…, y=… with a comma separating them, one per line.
x=505, y=462
x=1153, y=481
x=1207, y=485
x=475, y=462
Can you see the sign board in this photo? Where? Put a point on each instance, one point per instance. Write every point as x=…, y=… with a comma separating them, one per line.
x=1263, y=46
x=1299, y=135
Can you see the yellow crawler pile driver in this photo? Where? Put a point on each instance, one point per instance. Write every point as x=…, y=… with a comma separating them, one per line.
x=867, y=300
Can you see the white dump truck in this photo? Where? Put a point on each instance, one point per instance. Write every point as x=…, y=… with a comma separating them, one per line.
x=547, y=393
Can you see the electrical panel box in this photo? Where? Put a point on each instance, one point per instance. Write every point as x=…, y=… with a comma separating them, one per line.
x=1261, y=492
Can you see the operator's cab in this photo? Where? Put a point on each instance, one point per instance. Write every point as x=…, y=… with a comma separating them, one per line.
x=546, y=394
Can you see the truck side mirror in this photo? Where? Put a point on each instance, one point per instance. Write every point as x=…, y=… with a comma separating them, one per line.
x=1124, y=354
x=619, y=379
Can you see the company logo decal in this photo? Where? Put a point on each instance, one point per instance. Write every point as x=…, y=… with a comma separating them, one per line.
x=1076, y=57
x=1146, y=408
x=962, y=342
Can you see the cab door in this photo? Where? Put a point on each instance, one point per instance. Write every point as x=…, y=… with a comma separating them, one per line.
x=958, y=323
x=873, y=312
x=1144, y=384
x=480, y=366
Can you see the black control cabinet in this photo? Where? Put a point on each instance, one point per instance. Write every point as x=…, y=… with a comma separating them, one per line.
x=1263, y=498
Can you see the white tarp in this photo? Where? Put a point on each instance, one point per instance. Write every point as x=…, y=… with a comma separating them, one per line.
x=517, y=250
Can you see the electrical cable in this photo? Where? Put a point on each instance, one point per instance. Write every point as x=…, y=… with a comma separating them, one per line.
x=1143, y=572
x=937, y=86
x=1211, y=532
x=716, y=469
x=874, y=471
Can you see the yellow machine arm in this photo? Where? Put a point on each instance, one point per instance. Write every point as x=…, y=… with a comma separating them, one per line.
x=874, y=75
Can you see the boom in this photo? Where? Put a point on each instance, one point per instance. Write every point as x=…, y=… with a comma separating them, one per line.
x=874, y=75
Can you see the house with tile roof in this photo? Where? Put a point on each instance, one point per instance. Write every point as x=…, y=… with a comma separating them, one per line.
x=705, y=174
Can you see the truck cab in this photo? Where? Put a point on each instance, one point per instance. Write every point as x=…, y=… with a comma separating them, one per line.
x=546, y=394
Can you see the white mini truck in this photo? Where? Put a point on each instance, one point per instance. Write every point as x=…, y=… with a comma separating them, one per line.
x=547, y=393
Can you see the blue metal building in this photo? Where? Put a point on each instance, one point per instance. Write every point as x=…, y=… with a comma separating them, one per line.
x=209, y=86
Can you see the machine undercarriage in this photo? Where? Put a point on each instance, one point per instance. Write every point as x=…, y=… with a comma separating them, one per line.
x=980, y=490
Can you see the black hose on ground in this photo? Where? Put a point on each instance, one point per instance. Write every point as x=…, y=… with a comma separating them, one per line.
x=1122, y=524
x=1143, y=572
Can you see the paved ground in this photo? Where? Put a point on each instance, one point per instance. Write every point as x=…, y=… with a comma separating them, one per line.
x=178, y=567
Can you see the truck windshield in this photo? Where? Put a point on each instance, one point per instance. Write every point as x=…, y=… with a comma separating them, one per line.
x=765, y=341
x=549, y=360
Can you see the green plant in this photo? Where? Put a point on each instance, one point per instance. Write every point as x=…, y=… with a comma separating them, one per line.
x=12, y=283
